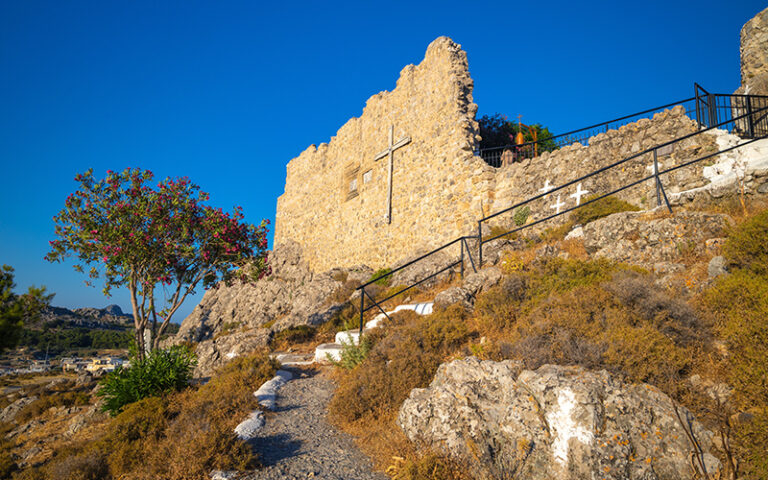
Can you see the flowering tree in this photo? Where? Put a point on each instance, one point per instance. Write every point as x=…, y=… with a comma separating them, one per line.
x=141, y=236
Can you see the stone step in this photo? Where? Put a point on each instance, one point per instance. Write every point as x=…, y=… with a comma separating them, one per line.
x=348, y=337
x=294, y=359
x=325, y=350
x=420, y=308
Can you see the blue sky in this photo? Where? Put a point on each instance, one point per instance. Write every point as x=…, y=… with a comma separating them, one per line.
x=228, y=92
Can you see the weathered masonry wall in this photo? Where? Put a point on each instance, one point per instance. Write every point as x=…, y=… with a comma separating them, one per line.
x=519, y=181
x=335, y=197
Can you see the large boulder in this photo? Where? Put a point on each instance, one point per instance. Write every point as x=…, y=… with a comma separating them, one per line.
x=555, y=423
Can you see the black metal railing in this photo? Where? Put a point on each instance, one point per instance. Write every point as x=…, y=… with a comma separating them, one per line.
x=757, y=123
x=751, y=125
x=705, y=108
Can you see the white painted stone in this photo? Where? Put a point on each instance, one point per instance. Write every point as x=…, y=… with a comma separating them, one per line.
x=326, y=350
x=294, y=359
x=267, y=393
x=248, y=428
x=577, y=232
x=349, y=337
x=420, y=308
x=375, y=322
x=564, y=428
x=557, y=205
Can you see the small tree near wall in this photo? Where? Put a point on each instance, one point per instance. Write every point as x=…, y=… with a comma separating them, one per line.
x=140, y=236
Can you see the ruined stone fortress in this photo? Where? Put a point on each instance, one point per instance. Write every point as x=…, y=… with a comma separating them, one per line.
x=405, y=177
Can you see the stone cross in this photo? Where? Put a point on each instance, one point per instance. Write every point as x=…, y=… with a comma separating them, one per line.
x=579, y=193
x=557, y=205
x=388, y=153
x=547, y=187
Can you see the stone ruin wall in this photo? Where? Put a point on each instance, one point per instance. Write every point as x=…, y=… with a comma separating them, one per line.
x=519, y=181
x=438, y=185
x=440, y=189
x=754, y=55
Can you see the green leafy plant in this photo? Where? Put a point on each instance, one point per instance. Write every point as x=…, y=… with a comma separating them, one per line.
x=521, y=215
x=159, y=372
x=352, y=354
x=380, y=273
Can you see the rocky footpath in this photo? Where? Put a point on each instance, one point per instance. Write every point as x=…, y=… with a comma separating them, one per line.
x=237, y=319
x=555, y=422
x=298, y=442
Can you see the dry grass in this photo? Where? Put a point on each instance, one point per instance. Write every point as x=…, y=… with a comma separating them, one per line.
x=183, y=435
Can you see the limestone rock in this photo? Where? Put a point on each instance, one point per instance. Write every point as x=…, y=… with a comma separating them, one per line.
x=8, y=414
x=213, y=353
x=717, y=266
x=234, y=320
x=452, y=296
x=555, y=422
x=647, y=240
x=484, y=279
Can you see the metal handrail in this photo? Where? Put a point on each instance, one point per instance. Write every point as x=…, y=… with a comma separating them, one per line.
x=602, y=124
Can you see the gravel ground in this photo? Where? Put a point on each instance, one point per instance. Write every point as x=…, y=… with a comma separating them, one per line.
x=298, y=442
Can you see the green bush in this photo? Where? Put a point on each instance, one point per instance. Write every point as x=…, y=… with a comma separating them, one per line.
x=521, y=215
x=747, y=245
x=381, y=281
x=601, y=208
x=160, y=372
x=353, y=355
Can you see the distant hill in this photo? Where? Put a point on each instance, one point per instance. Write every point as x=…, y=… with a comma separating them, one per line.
x=110, y=317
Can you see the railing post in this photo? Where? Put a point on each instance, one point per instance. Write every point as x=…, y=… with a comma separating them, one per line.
x=480, y=244
x=463, y=240
x=362, y=307
x=698, y=105
x=750, y=122
x=656, y=176
x=711, y=100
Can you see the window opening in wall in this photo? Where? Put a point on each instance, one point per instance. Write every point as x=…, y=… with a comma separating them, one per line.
x=367, y=176
x=351, y=181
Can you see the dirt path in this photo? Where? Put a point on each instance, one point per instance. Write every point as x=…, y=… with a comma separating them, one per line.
x=299, y=443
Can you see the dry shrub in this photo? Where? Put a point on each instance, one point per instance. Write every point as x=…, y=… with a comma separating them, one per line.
x=50, y=400
x=601, y=208
x=91, y=465
x=293, y=335
x=747, y=244
x=738, y=304
x=179, y=436
x=406, y=357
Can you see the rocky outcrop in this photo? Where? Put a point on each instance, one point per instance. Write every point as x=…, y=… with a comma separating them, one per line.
x=650, y=240
x=754, y=55
x=554, y=423
x=237, y=319
x=8, y=414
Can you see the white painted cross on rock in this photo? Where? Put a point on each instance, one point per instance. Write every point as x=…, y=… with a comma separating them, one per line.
x=388, y=152
x=547, y=187
x=557, y=205
x=579, y=193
